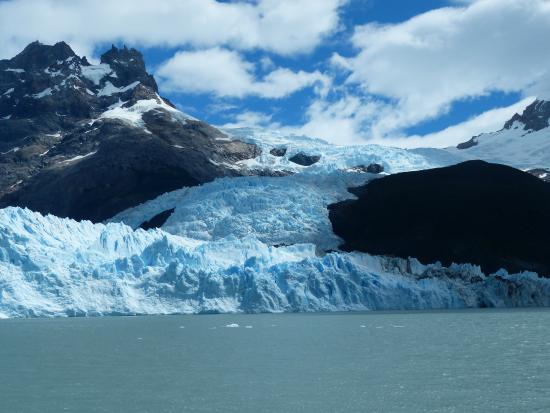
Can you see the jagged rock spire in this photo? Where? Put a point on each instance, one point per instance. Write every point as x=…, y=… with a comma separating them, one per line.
x=535, y=117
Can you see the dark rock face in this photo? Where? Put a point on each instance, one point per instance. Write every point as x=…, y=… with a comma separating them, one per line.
x=304, y=159
x=535, y=116
x=278, y=152
x=60, y=154
x=158, y=220
x=373, y=168
x=129, y=66
x=475, y=212
x=469, y=144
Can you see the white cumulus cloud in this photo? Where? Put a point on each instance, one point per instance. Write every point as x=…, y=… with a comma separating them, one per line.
x=436, y=58
x=225, y=73
x=281, y=26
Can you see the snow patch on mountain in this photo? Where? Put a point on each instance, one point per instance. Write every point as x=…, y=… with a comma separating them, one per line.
x=133, y=114
x=95, y=73
x=44, y=93
x=109, y=89
x=516, y=147
x=77, y=158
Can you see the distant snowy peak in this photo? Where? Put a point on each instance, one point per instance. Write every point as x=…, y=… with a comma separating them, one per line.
x=523, y=142
x=535, y=117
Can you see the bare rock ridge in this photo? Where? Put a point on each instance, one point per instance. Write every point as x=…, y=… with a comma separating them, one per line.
x=535, y=117
x=87, y=141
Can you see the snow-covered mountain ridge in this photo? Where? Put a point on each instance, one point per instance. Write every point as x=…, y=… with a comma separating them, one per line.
x=523, y=142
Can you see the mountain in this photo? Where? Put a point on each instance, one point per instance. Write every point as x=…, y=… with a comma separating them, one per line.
x=259, y=206
x=485, y=214
x=196, y=219
x=523, y=142
x=240, y=244
x=88, y=141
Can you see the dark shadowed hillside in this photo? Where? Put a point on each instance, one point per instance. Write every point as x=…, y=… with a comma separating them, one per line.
x=491, y=215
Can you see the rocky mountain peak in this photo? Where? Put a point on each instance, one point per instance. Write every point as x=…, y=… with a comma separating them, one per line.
x=87, y=141
x=46, y=81
x=535, y=117
x=129, y=66
x=39, y=56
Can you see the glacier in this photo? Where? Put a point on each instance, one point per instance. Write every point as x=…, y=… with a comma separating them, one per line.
x=248, y=244
x=275, y=210
x=335, y=157
x=51, y=266
x=278, y=210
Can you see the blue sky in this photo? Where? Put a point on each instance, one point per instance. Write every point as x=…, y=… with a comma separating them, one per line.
x=398, y=72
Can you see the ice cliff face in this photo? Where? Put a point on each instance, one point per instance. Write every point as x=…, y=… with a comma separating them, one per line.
x=59, y=267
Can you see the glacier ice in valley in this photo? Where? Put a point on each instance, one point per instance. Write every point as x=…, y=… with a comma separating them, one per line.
x=275, y=210
x=335, y=157
x=249, y=244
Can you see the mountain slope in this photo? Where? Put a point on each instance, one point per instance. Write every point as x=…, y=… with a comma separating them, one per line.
x=485, y=214
x=88, y=141
x=523, y=142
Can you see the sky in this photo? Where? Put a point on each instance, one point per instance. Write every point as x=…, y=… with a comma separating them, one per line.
x=396, y=72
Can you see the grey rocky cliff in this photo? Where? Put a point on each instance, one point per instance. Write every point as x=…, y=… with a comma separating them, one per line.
x=535, y=117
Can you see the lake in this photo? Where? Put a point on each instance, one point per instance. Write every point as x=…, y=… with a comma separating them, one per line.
x=439, y=361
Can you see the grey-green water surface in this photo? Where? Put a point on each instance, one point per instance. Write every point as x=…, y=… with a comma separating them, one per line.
x=453, y=361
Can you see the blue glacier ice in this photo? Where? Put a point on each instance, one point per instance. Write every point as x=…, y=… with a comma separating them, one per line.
x=59, y=267
x=336, y=157
x=250, y=244
x=275, y=210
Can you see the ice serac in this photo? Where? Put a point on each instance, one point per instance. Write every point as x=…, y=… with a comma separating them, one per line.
x=69, y=268
x=275, y=210
x=491, y=215
x=88, y=141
